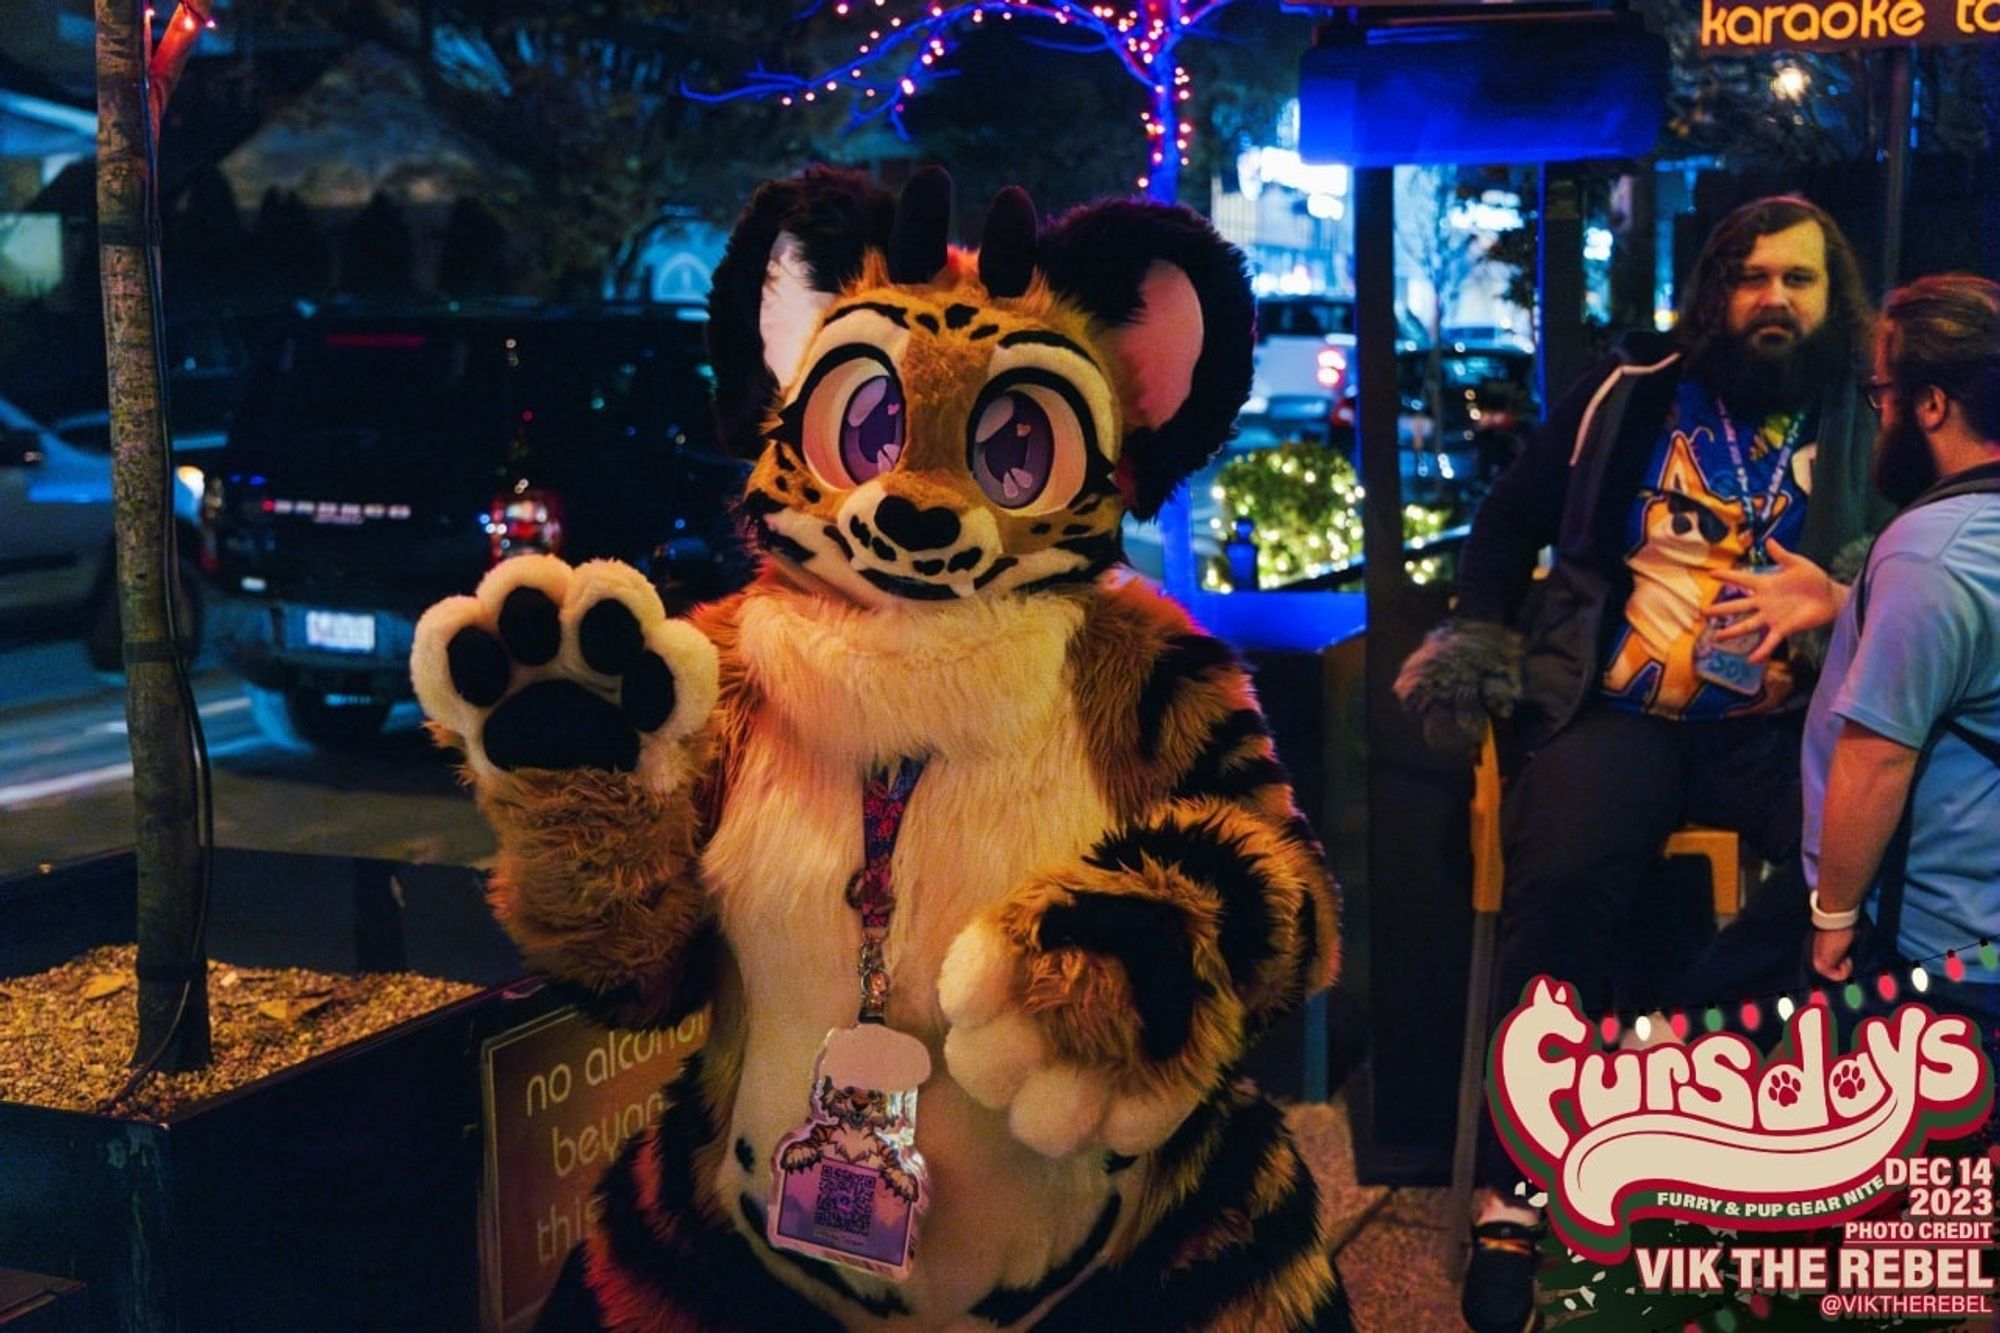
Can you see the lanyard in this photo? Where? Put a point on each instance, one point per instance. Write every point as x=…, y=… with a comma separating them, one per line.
x=1777, y=483
x=870, y=893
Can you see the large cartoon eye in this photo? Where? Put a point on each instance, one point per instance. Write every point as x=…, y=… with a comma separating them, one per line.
x=854, y=420
x=1028, y=443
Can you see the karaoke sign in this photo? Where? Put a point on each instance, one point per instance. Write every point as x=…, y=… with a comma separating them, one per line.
x=1719, y=1133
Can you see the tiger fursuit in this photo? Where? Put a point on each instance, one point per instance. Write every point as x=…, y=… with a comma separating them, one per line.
x=1102, y=893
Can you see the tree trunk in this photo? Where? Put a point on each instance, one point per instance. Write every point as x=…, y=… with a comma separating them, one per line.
x=167, y=847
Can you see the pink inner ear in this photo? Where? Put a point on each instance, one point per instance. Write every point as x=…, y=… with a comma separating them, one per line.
x=1159, y=347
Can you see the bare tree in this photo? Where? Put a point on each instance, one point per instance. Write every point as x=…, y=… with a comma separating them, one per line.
x=1438, y=242
x=133, y=86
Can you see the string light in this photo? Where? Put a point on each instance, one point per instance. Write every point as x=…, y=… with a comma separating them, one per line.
x=1786, y=1008
x=1143, y=35
x=1920, y=979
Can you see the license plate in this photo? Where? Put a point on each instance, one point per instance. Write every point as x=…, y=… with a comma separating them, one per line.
x=340, y=632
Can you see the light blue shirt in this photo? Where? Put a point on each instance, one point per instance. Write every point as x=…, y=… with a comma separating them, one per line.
x=1931, y=649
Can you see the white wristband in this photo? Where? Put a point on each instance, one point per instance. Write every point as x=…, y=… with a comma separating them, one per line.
x=1824, y=920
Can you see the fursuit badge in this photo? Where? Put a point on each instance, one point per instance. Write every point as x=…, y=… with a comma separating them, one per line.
x=849, y=1185
x=1717, y=662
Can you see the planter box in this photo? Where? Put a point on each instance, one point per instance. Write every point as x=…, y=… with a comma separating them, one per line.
x=342, y=1193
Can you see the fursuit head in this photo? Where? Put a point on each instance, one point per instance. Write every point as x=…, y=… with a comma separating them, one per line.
x=1098, y=890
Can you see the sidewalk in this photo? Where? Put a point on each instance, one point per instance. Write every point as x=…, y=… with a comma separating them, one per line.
x=1396, y=1248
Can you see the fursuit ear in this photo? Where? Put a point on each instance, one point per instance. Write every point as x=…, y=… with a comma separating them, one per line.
x=796, y=245
x=1177, y=300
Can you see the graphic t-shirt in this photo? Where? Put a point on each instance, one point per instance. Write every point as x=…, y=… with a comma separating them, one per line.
x=1687, y=522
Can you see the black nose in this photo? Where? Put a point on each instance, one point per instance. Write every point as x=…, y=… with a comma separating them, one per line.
x=912, y=528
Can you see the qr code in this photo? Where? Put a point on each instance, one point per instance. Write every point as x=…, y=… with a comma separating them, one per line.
x=846, y=1199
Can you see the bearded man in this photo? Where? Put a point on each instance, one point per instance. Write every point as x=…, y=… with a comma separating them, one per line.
x=1644, y=688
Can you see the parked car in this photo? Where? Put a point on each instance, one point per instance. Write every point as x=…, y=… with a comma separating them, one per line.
x=1488, y=410
x=57, y=550
x=1305, y=352
x=1304, y=347
x=382, y=460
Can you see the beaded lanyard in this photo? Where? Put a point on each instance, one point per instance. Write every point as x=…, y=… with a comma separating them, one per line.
x=870, y=892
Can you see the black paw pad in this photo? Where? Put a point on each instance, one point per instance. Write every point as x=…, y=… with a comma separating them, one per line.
x=1149, y=938
x=530, y=627
x=479, y=667
x=649, y=692
x=560, y=724
x=610, y=638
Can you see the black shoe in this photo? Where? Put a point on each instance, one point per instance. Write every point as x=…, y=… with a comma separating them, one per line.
x=1499, y=1291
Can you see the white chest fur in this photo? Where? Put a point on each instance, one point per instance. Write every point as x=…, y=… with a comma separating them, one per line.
x=979, y=692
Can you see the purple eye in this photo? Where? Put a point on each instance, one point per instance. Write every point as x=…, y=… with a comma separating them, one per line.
x=853, y=419
x=1013, y=450
x=871, y=428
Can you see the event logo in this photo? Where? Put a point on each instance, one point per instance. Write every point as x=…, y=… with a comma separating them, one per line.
x=1714, y=1131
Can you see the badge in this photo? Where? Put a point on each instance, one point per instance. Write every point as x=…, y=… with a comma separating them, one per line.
x=849, y=1185
x=1730, y=668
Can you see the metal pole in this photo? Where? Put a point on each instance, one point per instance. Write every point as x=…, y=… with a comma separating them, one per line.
x=1559, y=281
x=1896, y=163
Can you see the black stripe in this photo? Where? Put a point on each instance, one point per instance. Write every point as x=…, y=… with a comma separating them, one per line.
x=958, y=316
x=1149, y=939
x=1224, y=740
x=1206, y=855
x=994, y=571
x=1277, y=1240
x=895, y=313
x=1249, y=776
x=834, y=535
x=1166, y=1297
x=889, y=1303
x=1306, y=927
x=1185, y=658
x=1005, y=1305
x=984, y=331
x=777, y=543
x=928, y=321
x=709, y=1274
x=757, y=504
x=1082, y=575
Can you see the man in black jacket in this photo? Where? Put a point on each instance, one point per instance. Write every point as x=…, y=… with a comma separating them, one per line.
x=1639, y=699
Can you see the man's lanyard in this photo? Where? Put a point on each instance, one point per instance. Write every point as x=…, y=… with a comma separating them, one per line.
x=870, y=893
x=1779, y=467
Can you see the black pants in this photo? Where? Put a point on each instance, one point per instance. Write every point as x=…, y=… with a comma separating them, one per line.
x=1582, y=824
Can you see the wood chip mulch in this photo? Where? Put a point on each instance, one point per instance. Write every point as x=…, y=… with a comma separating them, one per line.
x=66, y=1035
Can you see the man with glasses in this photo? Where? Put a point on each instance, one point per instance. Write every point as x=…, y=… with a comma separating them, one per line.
x=1644, y=688
x=1902, y=742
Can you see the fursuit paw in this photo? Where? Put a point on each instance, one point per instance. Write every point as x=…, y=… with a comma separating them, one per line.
x=1463, y=675
x=1090, y=1018
x=803, y=1156
x=552, y=667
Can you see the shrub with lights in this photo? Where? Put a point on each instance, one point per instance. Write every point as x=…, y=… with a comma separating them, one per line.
x=1302, y=504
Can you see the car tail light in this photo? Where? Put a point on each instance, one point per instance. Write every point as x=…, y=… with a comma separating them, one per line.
x=1332, y=370
x=524, y=521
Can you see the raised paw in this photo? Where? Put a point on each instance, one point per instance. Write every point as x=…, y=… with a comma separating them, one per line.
x=551, y=667
x=800, y=1156
x=1090, y=1018
x=900, y=1183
